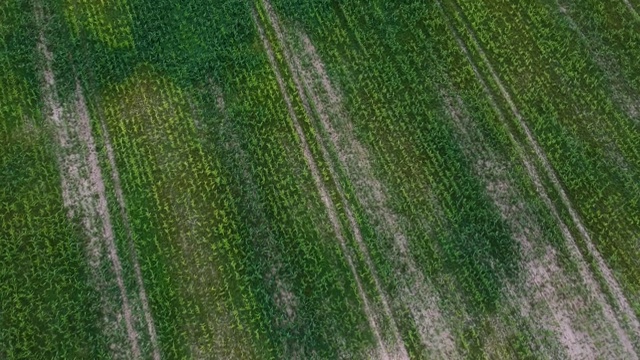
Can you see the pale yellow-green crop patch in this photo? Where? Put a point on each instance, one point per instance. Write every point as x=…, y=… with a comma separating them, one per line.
x=154, y=137
x=108, y=20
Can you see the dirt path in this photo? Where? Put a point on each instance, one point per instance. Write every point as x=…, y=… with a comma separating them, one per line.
x=324, y=195
x=115, y=177
x=547, y=284
x=570, y=241
x=82, y=183
x=293, y=64
x=415, y=293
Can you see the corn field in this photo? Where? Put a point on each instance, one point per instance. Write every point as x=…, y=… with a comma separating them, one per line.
x=279, y=179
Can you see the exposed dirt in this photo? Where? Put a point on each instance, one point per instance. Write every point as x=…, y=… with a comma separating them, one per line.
x=84, y=193
x=577, y=256
x=415, y=291
x=326, y=199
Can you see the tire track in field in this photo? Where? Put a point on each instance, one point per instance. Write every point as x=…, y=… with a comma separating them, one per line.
x=324, y=194
x=632, y=9
x=546, y=281
x=294, y=67
x=621, y=93
x=592, y=283
x=115, y=177
x=85, y=198
x=415, y=291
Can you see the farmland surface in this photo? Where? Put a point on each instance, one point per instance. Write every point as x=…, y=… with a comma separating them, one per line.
x=306, y=179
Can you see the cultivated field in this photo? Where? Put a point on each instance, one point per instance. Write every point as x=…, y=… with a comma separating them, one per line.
x=307, y=179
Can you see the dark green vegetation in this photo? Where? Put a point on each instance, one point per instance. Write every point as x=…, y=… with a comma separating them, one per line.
x=322, y=179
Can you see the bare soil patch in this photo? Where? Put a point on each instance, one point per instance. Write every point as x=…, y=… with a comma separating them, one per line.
x=84, y=197
x=577, y=256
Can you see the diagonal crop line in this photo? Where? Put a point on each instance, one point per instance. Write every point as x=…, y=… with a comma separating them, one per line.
x=56, y=115
x=632, y=9
x=294, y=69
x=610, y=280
x=115, y=176
x=324, y=194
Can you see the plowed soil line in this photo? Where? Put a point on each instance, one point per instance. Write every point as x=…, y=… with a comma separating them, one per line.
x=89, y=200
x=115, y=176
x=533, y=173
x=326, y=199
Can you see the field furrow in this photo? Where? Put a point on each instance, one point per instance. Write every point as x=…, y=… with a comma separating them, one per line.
x=610, y=281
x=83, y=190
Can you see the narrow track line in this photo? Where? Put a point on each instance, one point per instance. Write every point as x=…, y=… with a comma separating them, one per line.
x=611, y=283
x=415, y=293
x=115, y=176
x=55, y=116
x=294, y=70
x=324, y=195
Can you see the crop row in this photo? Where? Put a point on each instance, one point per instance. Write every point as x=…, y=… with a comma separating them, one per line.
x=47, y=305
x=212, y=285
x=575, y=120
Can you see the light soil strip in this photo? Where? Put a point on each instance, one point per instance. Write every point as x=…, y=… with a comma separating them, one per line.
x=570, y=241
x=326, y=199
x=115, y=176
x=632, y=9
x=545, y=279
x=415, y=290
x=85, y=196
x=294, y=69
x=284, y=298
